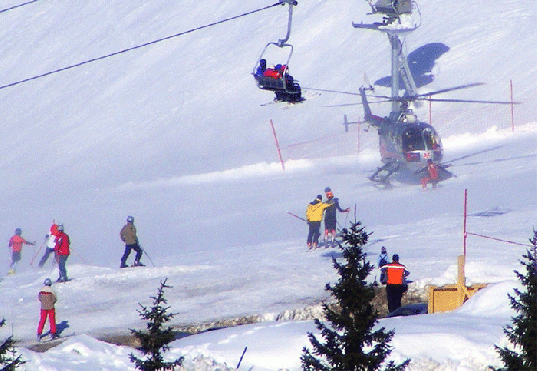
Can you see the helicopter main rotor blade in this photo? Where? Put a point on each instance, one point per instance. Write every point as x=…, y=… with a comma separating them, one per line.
x=466, y=101
x=425, y=95
x=471, y=85
x=345, y=105
x=332, y=91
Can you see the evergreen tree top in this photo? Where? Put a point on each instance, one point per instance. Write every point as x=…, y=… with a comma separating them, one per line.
x=155, y=341
x=350, y=342
x=522, y=354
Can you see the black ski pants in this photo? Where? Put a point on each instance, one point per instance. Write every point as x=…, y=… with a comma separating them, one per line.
x=127, y=252
x=313, y=235
x=395, y=293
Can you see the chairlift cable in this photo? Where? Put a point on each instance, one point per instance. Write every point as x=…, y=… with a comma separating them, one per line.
x=136, y=46
x=18, y=6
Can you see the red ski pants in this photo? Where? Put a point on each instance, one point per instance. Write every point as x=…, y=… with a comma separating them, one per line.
x=51, y=313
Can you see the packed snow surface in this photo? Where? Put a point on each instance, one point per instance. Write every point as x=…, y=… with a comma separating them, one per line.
x=175, y=133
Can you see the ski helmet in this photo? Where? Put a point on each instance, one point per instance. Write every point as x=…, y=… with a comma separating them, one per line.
x=48, y=282
x=18, y=231
x=327, y=189
x=395, y=258
x=130, y=219
x=60, y=227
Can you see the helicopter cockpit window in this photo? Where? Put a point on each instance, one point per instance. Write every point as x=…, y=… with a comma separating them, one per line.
x=412, y=140
x=432, y=141
x=392, y=7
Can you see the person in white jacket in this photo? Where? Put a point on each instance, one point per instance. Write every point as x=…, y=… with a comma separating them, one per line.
x=50, y=244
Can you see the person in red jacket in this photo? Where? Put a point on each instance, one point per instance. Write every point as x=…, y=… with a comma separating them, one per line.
x=432, y=175
x=62, y=252
x=15, y=243
x=395, y=274
x=47, y=298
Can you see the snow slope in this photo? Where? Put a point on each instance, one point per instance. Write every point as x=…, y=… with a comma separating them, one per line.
x=174, y=134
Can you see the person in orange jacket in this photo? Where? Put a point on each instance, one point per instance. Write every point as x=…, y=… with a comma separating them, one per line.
x=395, y=274
x=432, y=175
x=15, y=243
x=62, y=252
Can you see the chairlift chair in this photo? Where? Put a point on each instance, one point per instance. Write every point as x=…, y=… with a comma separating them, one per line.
x=277, y=79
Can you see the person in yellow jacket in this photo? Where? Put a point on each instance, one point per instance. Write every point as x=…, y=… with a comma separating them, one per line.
x=314, y=216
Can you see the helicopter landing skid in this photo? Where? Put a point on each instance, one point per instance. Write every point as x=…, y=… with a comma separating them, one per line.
x=382, y=175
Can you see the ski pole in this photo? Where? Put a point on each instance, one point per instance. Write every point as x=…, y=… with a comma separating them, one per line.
x=77, y=254
x=296, y=216
x=37, y=253
x=240, y=360
x=148, y=257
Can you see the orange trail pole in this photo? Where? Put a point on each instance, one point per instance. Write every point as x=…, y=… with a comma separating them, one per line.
x=277, y=144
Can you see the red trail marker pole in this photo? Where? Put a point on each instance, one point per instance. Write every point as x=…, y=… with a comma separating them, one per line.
x=277, y=144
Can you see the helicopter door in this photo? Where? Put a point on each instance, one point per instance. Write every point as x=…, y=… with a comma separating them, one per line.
x=433, y=143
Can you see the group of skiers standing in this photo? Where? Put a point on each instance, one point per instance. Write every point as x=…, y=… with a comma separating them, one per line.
x=393, y=274
x=314, y=217
x=56, y=241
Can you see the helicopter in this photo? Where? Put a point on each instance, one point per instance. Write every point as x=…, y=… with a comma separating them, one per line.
x=278, y=78
x=406, y=144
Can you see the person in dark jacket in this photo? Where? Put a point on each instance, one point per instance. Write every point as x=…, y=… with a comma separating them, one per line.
x=128, y=235
x=330, y=218
x=47, y=298
x=62, y=250
x=396, y=286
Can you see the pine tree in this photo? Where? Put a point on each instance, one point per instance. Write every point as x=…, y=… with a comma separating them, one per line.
x=522, y=334
x=155, y=341
x=9, y=362
x=350, y=342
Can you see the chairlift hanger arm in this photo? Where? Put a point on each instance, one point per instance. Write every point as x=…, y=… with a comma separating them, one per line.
x=291, y=3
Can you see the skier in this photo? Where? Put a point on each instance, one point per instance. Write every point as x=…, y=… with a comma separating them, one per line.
x=383, y=257
x=62, y=252
x=432, y=175
x=383, y=260
x=395, y=282
x=50, y=243
x=330, y=218
x=128, y=235
x=314, y=216
x=15, y=243
x=47, y=297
